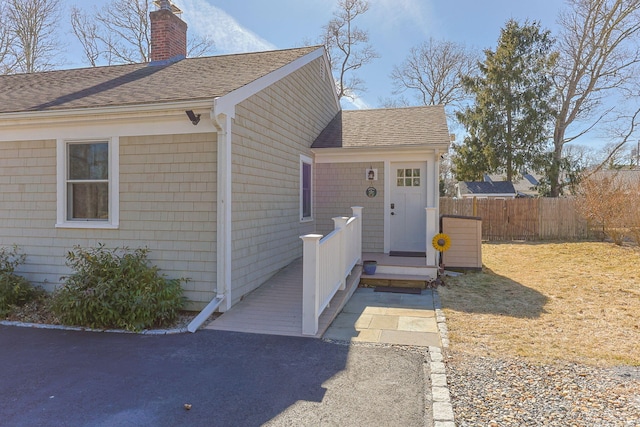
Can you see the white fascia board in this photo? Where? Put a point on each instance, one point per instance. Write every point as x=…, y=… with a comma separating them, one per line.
x=226, y=104
x=369, y=154
x=156, y=119
x=100, y=111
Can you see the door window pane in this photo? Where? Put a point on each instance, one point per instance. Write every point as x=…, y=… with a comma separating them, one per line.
x=408, y=177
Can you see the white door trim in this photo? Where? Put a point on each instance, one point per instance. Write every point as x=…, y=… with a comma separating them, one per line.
x=432, y=162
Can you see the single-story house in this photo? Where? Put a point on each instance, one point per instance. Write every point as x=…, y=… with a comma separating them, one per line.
x=217, y=164
x=526, y=184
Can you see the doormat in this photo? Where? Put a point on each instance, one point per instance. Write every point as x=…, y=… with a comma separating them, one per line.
x=408, y=254
x=415, y=291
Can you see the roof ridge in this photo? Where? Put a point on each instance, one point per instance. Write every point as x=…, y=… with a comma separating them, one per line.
x=407, y=107
x=144, y=64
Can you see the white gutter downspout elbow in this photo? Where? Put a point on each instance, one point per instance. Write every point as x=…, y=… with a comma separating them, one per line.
x=221, y=116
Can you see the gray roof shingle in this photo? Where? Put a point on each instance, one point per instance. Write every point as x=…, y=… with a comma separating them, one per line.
x=385, y=127
x=135, y=84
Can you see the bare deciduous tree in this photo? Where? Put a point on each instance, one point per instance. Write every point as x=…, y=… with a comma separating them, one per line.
x=581, y=155
x=86, y=31
x=433, y=71
x=390, y=102
x=32, y=25
x=348, y=46
x=120, y=33
x=597, y=58
x=7, y=59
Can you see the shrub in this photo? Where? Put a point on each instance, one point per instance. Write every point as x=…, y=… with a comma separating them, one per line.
x=116, y=288
x=14, y=289
x=603, y=199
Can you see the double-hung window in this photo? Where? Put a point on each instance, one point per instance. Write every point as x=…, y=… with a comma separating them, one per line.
x=306, y=188
x=87, y=184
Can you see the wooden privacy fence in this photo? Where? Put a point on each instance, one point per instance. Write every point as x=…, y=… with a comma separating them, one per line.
x=522, y=219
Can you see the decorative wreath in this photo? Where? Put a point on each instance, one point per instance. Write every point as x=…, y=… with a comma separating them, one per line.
x=441, y=242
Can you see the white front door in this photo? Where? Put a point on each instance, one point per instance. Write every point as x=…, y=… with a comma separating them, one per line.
x=408, y=201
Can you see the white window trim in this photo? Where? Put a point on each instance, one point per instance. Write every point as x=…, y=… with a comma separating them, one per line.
x=114, y=185
x=306, y=160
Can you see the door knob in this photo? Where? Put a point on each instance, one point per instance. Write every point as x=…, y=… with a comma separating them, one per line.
x=393, y=213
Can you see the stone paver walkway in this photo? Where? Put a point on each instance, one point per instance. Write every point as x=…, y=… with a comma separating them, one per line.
x=387, y=318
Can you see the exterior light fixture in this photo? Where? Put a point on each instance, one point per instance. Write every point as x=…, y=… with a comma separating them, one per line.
x=195, y=118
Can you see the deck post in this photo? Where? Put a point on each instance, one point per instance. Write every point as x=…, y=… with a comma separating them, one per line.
x=310, y=283
x=340, y=222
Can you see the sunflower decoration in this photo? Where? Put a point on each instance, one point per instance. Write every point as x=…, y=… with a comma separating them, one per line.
x=441, y=242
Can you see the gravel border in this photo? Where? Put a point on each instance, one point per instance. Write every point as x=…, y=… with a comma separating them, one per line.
x=442, y=410
x=493, y=391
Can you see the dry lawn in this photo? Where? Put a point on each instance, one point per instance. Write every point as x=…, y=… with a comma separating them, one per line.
x=576, y=302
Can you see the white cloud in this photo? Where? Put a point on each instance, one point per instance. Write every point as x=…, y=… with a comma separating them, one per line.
x=353, y=100
x=227, y=33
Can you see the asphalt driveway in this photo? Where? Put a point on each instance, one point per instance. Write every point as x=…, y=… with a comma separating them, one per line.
x=69, y=378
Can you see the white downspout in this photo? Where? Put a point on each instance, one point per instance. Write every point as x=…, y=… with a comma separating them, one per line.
x=222, y=122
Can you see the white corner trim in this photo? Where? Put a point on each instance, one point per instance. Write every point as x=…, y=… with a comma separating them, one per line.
x=387, y=210
x=224, y=249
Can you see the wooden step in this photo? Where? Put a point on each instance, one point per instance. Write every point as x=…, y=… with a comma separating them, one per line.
x=395, y=280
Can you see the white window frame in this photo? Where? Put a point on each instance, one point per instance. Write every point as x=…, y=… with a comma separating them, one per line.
x=62, y=220
x=308, y=161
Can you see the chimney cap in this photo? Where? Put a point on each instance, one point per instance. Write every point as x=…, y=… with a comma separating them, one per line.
x=167, y=5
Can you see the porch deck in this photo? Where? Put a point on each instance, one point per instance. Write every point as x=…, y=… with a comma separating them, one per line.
x=275, y=308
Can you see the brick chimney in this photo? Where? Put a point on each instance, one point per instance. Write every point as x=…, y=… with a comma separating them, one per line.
x=168, y=33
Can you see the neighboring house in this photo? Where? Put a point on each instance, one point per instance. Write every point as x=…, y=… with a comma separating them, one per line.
x=218, y=165
x=486, y=189
x=525, y=185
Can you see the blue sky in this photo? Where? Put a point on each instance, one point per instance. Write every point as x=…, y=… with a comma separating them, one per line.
x=394, y=27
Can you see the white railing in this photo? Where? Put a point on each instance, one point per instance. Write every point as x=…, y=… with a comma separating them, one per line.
x=327, y=262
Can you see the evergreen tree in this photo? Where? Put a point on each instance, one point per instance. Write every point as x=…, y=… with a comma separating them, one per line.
x=509, y=125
